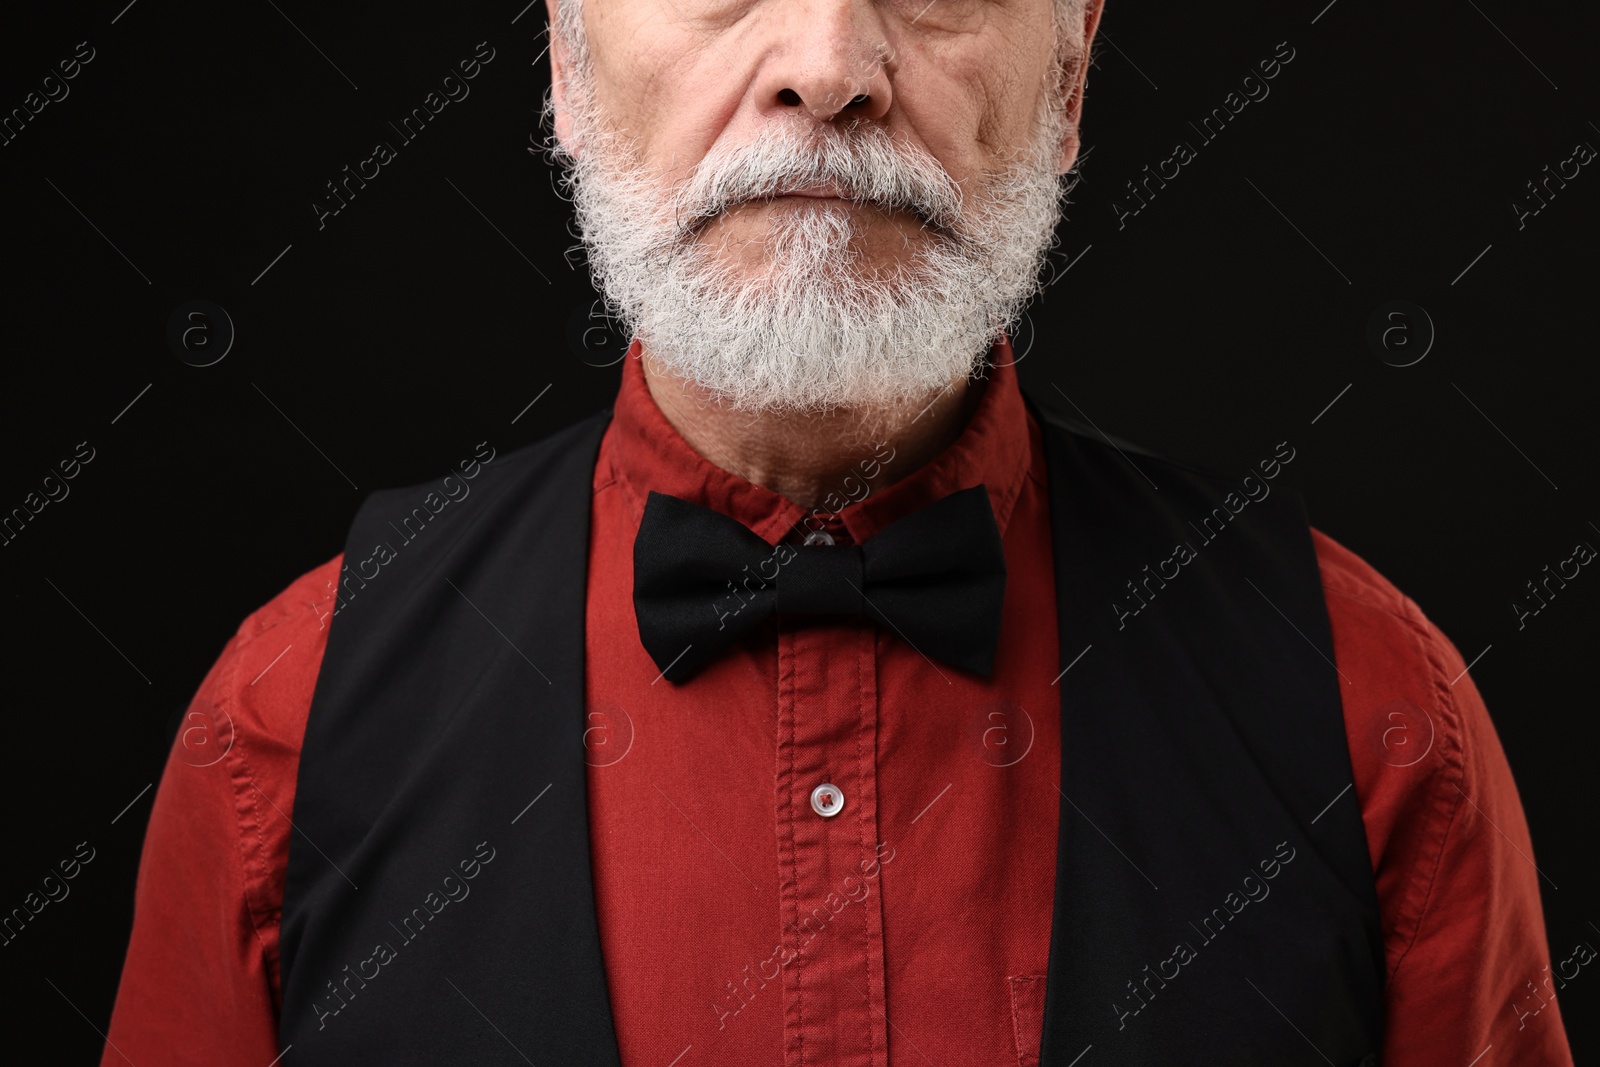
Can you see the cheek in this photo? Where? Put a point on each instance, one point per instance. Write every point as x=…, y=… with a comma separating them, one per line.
x=971, y=100
x=667, y=87
x=954, y=119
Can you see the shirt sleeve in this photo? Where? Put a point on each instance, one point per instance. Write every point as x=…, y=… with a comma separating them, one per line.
x=1468, y=964
x=200, y=981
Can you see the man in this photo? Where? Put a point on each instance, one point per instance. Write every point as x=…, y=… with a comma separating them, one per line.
x=826, y=701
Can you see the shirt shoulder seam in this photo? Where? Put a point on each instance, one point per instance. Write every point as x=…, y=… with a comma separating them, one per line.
x=1449, y=742
x=250, y=820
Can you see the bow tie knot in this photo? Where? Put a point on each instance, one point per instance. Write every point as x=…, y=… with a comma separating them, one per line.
x=822, y=580
x=936, y=577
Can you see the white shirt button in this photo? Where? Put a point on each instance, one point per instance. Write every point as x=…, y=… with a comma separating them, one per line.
x=827, y=800
x=818, y=537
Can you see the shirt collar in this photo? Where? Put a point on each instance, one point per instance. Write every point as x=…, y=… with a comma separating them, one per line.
x=643, y=452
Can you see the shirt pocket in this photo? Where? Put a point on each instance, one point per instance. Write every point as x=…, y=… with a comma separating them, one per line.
x=1027, y=1016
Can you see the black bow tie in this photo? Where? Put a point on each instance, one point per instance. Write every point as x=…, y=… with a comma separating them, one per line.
x=702, y=580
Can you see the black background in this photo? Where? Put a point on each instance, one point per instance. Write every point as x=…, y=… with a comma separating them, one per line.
x=426, y=316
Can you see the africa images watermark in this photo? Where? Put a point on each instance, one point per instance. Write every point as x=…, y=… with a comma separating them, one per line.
x=455, y=89
x=1210, y=928
x=411, y=527
x=853, y=890
x=1551, y=183
x=1253, y=89
x=55, y=90
x=1568, y=569
x=54, y=489
x=54, y=888
x=1582, y=953
x=1255, y=489
x=454, y=890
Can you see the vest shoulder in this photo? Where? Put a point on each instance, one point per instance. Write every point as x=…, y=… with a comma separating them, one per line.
x=1109, y=450
x=492, y=469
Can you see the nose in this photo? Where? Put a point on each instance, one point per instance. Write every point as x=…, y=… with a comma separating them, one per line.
x=835, y=63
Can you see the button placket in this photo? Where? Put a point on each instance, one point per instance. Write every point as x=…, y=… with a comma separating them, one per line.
x=827, y=744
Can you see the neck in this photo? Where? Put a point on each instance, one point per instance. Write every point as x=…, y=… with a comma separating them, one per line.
x=808, y=457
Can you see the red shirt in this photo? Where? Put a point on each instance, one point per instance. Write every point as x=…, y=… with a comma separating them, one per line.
x=738, y=925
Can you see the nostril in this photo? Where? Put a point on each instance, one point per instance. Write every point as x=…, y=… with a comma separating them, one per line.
x=789, y=96
x=862, y=99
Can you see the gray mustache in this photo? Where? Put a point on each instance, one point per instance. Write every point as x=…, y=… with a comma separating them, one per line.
x=932, y=209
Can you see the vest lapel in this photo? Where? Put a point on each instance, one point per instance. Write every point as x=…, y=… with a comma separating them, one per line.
x=1203, y=749
x=445, y=738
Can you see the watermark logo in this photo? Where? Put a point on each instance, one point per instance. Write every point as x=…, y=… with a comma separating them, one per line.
x=1400, y=333
x=200, y=333
x=203, y=741
x=607, y=734
x=1001, y=733
x=595, y=336
x=1403, y=734
x=1550, y=581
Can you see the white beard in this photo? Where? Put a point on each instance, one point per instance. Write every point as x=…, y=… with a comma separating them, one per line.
x=818, y=328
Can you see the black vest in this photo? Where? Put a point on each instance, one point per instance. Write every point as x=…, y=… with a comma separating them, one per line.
x=1214, y=899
